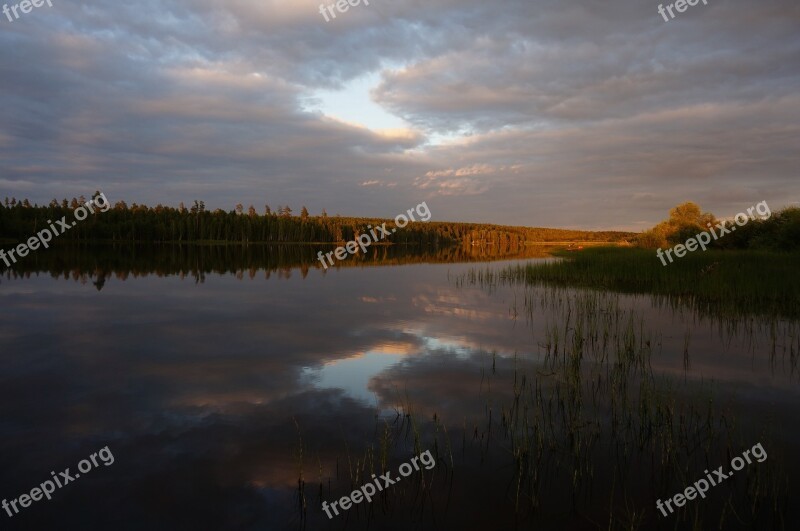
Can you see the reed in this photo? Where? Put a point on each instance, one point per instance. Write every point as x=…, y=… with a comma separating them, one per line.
x=591, y=410
x=727, y=283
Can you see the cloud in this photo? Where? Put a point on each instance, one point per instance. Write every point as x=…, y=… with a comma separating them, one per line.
x=456, y=181
x=576, y=109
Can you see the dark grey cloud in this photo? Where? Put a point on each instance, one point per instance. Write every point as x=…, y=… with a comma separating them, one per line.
x=597, y=115
x=514, y=75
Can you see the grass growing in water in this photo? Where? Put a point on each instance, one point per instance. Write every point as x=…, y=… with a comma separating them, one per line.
x=730, y=283
x=592, y=417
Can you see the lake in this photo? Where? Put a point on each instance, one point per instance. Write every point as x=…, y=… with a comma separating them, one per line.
x=239, y=388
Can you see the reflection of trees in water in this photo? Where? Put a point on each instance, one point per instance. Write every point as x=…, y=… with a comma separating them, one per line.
x=96, y=264
x=101, y=279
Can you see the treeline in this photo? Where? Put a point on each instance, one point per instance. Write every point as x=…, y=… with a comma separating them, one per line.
x=779, y=232
x=19, y=220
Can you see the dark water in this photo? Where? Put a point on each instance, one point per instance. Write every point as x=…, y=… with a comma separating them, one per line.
x=239, y=391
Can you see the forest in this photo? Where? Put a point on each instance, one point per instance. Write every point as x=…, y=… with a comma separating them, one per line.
x=19, y=219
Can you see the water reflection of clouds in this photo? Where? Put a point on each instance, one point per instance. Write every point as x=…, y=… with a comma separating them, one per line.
x=204, y=383
x=453, y=309
x=352, y=374
x=461, y=347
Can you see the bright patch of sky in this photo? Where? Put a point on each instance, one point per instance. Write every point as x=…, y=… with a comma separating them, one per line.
x=353, y=104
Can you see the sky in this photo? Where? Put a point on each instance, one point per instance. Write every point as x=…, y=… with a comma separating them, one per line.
x=577, y=114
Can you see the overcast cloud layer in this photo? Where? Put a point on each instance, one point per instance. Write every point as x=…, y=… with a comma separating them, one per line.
x=556, y=112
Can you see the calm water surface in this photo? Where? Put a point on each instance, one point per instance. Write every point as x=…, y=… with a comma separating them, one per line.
x=242, y=399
